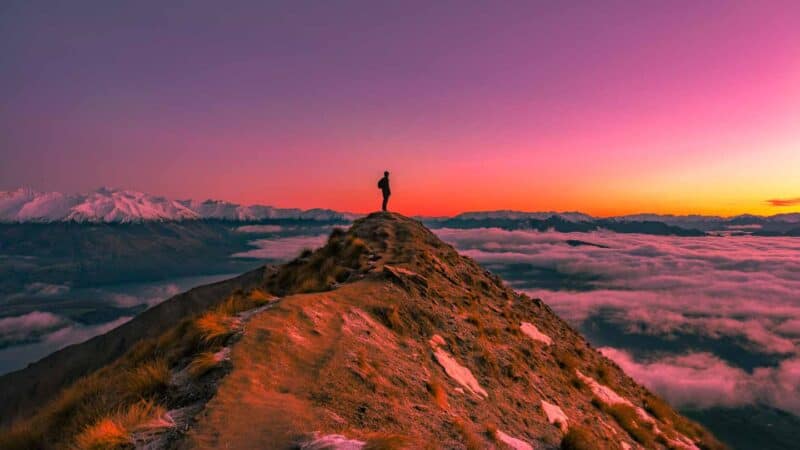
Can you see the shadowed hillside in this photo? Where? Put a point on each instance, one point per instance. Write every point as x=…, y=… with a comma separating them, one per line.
x=384, y=338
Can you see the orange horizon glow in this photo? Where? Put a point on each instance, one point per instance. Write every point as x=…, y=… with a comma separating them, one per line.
x=672, y=108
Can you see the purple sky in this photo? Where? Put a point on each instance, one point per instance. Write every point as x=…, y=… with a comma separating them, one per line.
x=609, y=108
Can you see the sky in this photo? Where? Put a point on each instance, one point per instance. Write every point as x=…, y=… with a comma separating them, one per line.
x=603, y=107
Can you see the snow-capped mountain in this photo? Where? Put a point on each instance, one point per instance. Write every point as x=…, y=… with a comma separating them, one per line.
x=102, y=205
x=217, y=209
x=124, y=206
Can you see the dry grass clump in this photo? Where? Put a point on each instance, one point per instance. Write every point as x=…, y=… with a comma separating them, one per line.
x=663, y=412
x=659, y=408
x=577, y=383
x=366, y=372
x=260, y=296
x=109, y=400
x=148, y=378
x=701, y=436
x=114, y=430
x=604, y=376
x=394, y=319
x=214, y=326
x=202, y=364
x=565, y=359
x=318, y=271
x=578, y=438
x=438, y=391
x=386, y=442
x=241, y=301
x=627, y=418
x=492, y=432
x=470, y=439
x=486, y=359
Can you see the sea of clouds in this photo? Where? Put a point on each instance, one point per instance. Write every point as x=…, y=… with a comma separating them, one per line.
x=691, y=293
x=27, y=337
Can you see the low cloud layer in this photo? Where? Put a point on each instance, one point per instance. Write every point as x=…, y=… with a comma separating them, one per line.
x=282, y=248
x=701, y=380
x=259, y=229
x=20, y=328
x=698, y=291
x=17, y=357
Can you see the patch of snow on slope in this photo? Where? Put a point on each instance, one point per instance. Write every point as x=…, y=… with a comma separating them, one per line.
x=332, y=442
x=454, y=370
x=603, y=393
x=532, y=332
x=513, y=442
x=436, y=341
x=555, y=415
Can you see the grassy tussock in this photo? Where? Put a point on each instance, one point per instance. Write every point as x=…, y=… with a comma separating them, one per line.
x=202, y=364
x=394, y=320
x=105, y=394
x=115, y=430
x=438, y=392
x=486, y=359
x=470, y=439
x=659, y=409
x=214, y=326
x=663, y=412
x=579, y=438
x=629, y=420
x=692, y=430
x=566, y=360
x=386, y=442
x=149, y=377
x=491, y=432
x=260, y=297
x=604, y=376
x=577, y=383
x=240, y=301
x=318, y=271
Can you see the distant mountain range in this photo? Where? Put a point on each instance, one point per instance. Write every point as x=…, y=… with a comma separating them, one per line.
x=107, y=205
x=567, y=222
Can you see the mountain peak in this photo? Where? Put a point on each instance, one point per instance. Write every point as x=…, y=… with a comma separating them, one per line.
x=385, y=337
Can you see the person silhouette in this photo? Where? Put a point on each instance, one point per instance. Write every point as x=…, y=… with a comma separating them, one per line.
x=383, y=185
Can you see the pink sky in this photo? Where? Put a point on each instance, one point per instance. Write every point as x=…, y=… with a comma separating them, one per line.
x=620, y=107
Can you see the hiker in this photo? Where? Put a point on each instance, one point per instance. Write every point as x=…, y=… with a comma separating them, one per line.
x=383, y=185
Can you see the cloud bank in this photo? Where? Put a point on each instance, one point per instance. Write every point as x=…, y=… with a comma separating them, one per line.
x=282, y=248
x=701, y=380
x=691, y=293
x=16, y=357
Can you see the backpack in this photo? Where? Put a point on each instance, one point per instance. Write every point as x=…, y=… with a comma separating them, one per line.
x=381, y=183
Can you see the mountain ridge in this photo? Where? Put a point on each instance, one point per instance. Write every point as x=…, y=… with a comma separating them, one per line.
x=385, y=337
